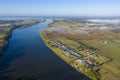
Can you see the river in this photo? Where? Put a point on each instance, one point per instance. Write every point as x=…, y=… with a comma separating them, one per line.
x=28, y=58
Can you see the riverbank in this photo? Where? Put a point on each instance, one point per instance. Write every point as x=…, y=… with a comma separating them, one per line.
x=7, y=26
x=69, y=60
x=81, y=46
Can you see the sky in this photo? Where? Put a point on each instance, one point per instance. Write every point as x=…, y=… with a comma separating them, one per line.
x=60, y=7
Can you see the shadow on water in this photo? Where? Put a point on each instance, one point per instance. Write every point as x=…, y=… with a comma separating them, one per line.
x=28, y=58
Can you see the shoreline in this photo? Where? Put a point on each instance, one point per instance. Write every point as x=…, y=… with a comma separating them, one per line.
x=70, y=39
x=70, y=61
x=8, y=36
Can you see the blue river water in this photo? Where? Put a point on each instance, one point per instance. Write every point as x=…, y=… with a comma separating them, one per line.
x=28, y=58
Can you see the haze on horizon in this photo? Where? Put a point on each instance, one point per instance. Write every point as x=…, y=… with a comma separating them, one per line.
x=60, y=7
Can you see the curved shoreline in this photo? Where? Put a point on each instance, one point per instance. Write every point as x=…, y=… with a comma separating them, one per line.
x=89, y=73
x=8, y=36
x=67, y=59
x=27, y=49
x=90, y=54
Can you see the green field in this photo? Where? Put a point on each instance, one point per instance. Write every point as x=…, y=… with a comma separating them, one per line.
x=80, y=39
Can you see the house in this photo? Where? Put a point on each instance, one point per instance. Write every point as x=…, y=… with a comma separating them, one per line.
x=89, y=61
x=94, y=55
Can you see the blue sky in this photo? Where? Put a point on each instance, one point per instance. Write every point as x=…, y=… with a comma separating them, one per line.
x=60, y=7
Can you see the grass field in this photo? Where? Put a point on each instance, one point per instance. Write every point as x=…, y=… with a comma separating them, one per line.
x=85, y=70
x=106, y=42
x=111, y=70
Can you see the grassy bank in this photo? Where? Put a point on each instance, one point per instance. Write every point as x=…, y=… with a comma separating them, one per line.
x=71, y=61
x=86, y=41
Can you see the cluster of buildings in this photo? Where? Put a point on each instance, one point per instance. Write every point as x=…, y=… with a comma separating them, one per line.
x=79, y=57
x=68, y=51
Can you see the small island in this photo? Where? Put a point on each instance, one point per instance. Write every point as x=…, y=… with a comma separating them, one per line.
x=90, y=46
x=7, y=26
